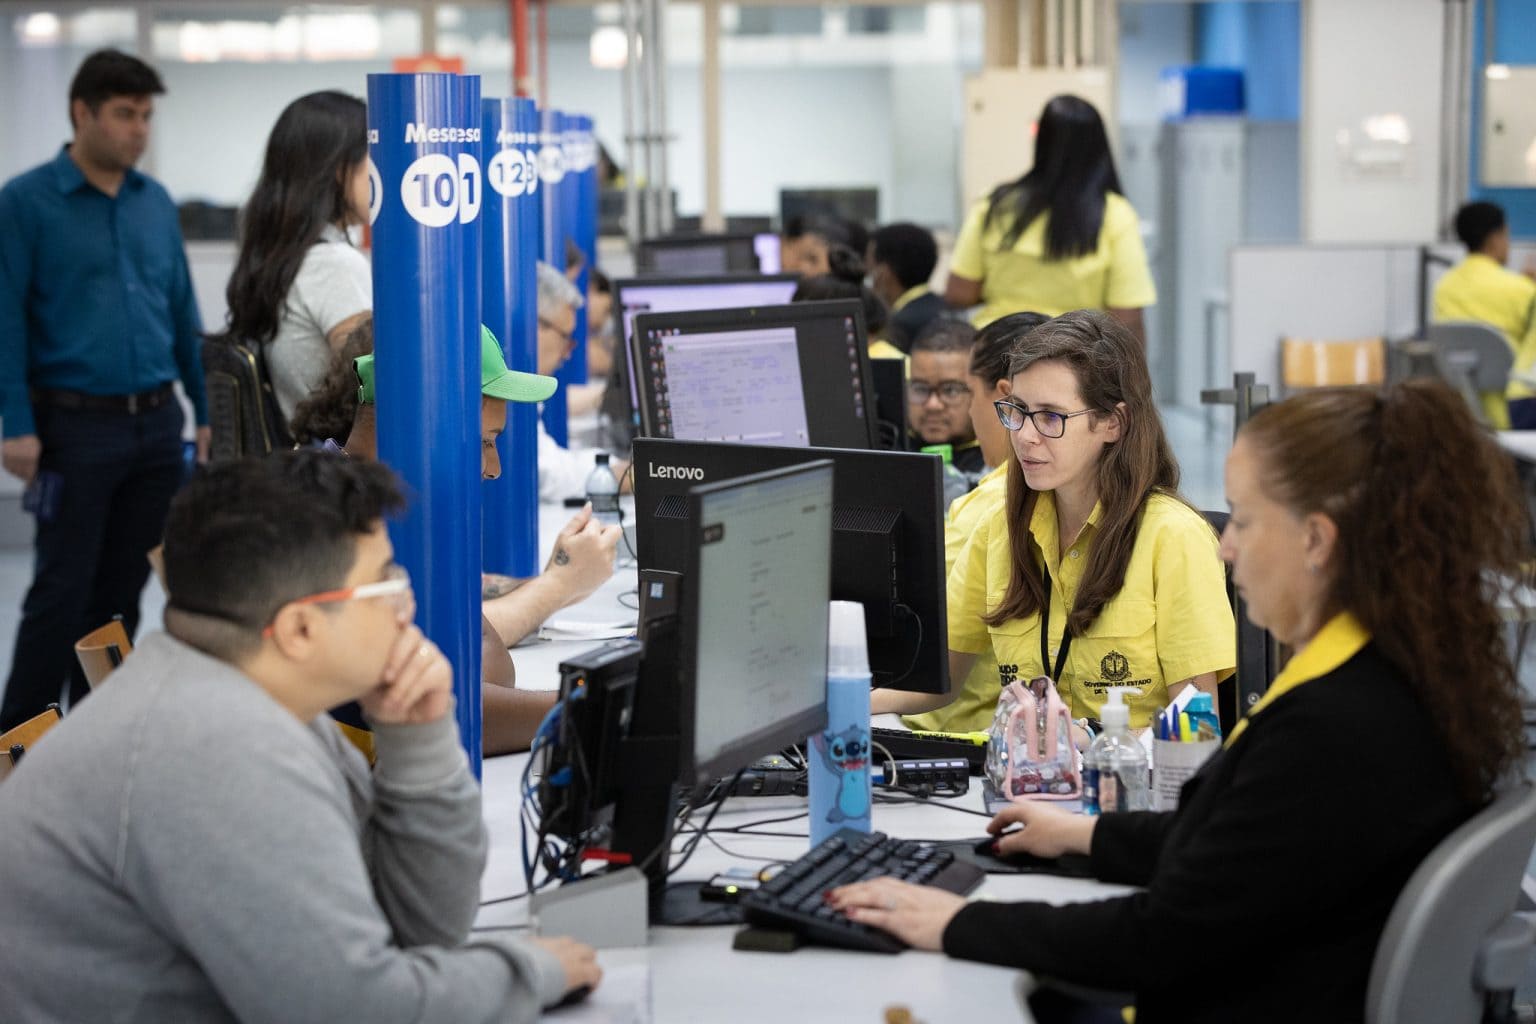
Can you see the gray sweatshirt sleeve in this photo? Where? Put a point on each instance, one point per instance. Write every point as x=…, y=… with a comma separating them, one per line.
x=424, y=841
x=244, y=851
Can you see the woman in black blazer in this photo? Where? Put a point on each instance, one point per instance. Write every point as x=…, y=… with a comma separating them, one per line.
x=1366, y=528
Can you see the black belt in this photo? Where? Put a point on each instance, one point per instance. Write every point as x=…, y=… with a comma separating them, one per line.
x=144, y=401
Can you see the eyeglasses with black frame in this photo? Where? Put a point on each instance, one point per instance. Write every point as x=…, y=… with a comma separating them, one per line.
x=950, y=392
x=1048, y=423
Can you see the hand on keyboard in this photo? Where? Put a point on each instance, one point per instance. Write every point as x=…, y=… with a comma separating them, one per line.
x=915, y=914
x=798, y=897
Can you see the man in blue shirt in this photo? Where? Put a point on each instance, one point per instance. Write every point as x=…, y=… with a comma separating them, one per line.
x=97, y=321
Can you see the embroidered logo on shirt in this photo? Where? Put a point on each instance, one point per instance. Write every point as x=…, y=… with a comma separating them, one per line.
x=1115, y=667
x=1007, y=674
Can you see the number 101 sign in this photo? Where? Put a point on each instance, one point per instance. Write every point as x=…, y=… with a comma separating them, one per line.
x=436, y=190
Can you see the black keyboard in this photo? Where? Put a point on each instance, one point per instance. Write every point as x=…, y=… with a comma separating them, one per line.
x=793, y=900
x=905, y=746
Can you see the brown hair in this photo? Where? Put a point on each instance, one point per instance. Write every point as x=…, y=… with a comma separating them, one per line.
x=329, y=410
x=1111, y=369
x=1430, y=526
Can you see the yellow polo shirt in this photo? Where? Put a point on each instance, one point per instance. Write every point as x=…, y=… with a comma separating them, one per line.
x=975, y=697
x=1022, y=280
x=1480, y=288
x=1169, y=622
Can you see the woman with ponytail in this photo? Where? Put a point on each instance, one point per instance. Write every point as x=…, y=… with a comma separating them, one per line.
x=1372, y=533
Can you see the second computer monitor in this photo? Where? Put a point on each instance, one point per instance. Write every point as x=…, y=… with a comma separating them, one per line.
x=786, y=375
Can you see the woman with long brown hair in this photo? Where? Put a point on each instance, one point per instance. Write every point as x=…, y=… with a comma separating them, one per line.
x=1094, y=571
x=1374, y=533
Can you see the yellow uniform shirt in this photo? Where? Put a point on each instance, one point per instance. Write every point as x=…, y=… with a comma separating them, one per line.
x=1479, y=288
x=976, y=695
x=882, y=349
x=1022, y=280
x=1170, y=620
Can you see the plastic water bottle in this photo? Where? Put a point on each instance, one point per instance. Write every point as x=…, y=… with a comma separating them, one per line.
x=840, y=793
x=1115, y=768
x=955, y=482
x=603, y=492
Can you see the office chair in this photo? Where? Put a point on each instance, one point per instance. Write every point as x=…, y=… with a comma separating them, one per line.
x=1309, y=363
x=101, y=650
x=15, y=742
x=1454, y=945
x=1474, y=359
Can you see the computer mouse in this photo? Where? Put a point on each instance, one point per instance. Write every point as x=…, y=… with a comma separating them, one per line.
x=1071, y=865
x=574, y=996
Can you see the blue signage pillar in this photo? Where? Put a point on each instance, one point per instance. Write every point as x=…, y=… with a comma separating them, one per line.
x=424, y=146
x=585, y=231
x=512, y=224
x=552, y=247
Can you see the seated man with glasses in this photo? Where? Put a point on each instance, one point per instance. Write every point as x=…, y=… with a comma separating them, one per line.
x=563, y=471
x=938, y=395
x=201, y=834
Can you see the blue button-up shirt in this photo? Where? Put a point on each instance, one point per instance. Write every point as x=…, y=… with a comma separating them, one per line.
x=95, y=295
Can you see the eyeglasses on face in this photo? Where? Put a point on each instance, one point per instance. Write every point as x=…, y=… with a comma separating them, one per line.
x=565, y=336
x=950, y=392
x=395, y=585
x=1047, y=423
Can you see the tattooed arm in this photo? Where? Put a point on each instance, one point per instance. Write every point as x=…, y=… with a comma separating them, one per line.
x=581, y=562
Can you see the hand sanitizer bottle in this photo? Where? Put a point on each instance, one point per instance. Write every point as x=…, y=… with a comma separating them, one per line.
x=1115, y=767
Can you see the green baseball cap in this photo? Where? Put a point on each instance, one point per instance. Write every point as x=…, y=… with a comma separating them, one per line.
x=495, y=379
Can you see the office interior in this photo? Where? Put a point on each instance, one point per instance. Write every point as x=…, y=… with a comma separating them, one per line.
x=1320, y=209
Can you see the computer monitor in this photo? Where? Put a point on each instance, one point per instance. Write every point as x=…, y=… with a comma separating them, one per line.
x=795, y=375
x=860, y=205
x=734, y=671
x=754, y=626
x=632, y=296
x=887, y=539
x=696, y=255
x=891, y=419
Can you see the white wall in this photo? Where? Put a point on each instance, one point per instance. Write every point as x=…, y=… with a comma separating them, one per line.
x=1360, y=59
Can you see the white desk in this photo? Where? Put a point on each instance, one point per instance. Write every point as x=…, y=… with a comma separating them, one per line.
x=695, y=975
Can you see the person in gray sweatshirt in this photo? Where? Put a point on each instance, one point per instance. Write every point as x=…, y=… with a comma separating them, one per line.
x=198, y=842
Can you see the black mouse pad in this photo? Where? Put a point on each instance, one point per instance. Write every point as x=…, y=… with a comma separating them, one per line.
x=1071, y=865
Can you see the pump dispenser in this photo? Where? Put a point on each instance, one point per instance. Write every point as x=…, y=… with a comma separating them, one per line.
x=1115, y=767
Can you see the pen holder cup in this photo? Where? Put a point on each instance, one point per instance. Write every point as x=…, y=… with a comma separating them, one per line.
x=1173, y=764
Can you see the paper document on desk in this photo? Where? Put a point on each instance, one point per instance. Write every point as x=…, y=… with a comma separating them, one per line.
x=623, y=997
x=586, y=629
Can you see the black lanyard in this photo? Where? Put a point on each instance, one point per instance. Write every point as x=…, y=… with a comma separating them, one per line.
x=1045, y=633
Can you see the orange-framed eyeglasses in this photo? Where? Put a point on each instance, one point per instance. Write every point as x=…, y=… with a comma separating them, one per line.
x=396, y=584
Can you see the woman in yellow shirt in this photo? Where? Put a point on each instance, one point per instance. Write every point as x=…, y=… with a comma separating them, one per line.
x=1061, y=237
x=1093, y=571
x=991, y=355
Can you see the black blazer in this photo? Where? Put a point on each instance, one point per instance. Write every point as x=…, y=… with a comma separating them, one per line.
x=1267, y=890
